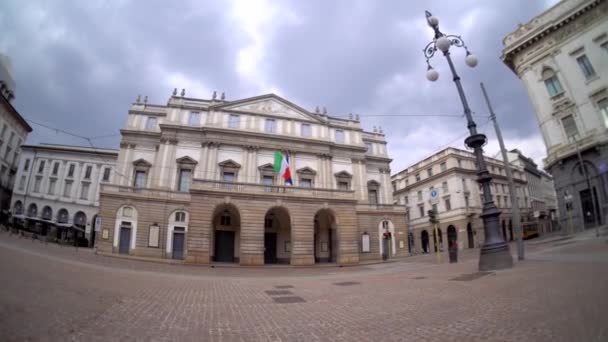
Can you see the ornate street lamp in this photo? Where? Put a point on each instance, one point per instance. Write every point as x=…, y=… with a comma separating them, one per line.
x=494, y=253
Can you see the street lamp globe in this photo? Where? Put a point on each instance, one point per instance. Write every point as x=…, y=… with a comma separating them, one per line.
x=471, y=60
x=432, y=21
x=443, y=43
x=432, y=74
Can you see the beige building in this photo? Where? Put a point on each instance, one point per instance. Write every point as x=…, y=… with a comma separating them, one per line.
x=13, y=132
x=195, y=180
x=451, y=175
x=561, y=57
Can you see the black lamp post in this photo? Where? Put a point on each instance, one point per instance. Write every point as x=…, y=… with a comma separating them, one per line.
x=494, y=253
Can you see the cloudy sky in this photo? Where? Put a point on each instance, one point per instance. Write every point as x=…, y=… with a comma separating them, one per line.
x=80, y=64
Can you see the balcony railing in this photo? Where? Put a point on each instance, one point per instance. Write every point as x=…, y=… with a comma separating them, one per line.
x=146, y=192
x=202, y=184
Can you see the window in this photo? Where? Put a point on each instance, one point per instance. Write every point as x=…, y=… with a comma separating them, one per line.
x=605, y=47
x=184, y=180
x=140, y=179
x=459, y=163
x=194, y=119
x=443, y=166
x=225, y=218
x=37, y=184
x=340, y=136
x=233, y=121
x=421, y=208
x=52, y=183
x=419, y=195
x=552, y=82
x=71, y=170
x=569, y=126
x=498, y=204
x=406, y=199
x=586, y=66
x=429, y=171
x=7, y=153
x=87, y=172
x=270, y=126
x=306, y=182
x=22, y=183
x=466, y=202
x=464, y=184
x=372, y=196
x=10, y=141
x=343, y=185
x=370, y=147
x=268, y=180
x=444, y=187
x=417, y=177
x=4, y=127
x=151, y=123
x=55, y=169
x=306, y=130
x=26, y=165
x=434, y=208
x=268, y=221
x=603, y=106
x=106, y=174
x=180, y=216
x=228, y=177
x=67, y=189
x=84, y=191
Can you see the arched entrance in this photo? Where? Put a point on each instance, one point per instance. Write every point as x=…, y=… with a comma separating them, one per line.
x=325, y=238
x=411, y=243
x=277, y=236
x=387, y=246
x=80, y=225
x=32, y=214
x=424, y=241
x=62, y=223
x=440, y=239
x=510, y=230
x=504, y=230
x=452, y=236
x=47, y=215
x=226, y=234
x=470, y=235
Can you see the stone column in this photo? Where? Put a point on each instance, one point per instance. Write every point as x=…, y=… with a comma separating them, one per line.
x=201, y=170
x=170, y=165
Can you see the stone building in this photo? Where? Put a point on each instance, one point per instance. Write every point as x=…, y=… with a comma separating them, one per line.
x=57, y=190
x=196, y=181
x=543, y=201
x=561, y=56
x=452, y=174
x=13, y=132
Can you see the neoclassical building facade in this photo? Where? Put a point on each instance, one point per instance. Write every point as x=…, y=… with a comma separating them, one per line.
x=195, y=181
x=561, y=56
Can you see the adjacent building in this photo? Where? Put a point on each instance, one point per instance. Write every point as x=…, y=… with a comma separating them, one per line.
x=543, y=201
x=57, y=190
x=13, y=131
x=451, y=175
x=195, y=180
x=561, y=56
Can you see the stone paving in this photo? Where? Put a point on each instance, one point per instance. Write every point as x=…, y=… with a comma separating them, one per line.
x=559, y=293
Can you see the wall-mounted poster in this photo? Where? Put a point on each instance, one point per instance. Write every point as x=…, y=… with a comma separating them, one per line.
x=365, y=243
x=105, y=234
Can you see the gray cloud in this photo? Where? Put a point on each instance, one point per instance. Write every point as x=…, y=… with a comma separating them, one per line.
x=78, y=65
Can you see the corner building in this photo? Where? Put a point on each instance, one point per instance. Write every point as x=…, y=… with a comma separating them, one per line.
x=195, y=181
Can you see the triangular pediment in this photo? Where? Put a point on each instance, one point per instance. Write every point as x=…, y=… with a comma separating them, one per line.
x=343, y=174
x=229, y=163
x=266, y=167
x=186, y=160
x=270, y=104
x=142, y=162
x=306, y=171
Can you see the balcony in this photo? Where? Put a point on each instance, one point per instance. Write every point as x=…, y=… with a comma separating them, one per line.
x=145, y=192
x=264, y=189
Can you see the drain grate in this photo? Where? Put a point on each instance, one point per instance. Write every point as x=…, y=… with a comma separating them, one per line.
x=278, y=292
x=289, y=300
x=347, y=283
x=472, y=276
x=283, y=287
x=419, y=278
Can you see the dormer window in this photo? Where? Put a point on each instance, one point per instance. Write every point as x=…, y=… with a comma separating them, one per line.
x=552, y=82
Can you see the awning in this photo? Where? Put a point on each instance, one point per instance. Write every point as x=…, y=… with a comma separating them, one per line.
x=62, y=225
x=19, y=216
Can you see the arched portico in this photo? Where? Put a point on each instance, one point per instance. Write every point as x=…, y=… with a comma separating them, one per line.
x=226, y=237
x=277, y=236
x=424, y=241
x=325, y=236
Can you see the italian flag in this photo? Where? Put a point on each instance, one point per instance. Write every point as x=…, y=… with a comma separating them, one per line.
x=281, y=166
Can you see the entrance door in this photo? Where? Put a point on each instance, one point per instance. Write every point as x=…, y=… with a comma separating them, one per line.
x=270, y=248
x=470, y=236
x=424, y=238
x=224, y=246
x=178, y=245
x=587, y=206
x=125, y=240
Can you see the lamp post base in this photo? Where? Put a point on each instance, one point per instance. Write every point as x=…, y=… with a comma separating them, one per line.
x=495, y=256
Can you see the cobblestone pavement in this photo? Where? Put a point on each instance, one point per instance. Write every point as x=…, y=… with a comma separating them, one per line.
x=559, y=293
